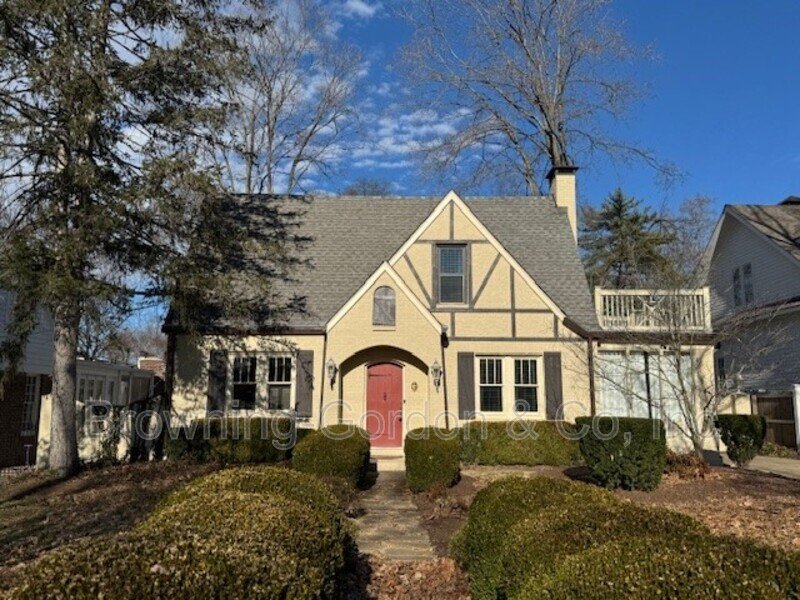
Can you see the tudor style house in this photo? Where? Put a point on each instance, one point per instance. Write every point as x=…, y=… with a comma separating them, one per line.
x=754, y=277
x=428, y=311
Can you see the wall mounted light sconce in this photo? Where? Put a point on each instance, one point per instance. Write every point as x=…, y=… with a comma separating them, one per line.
x=436, y=373
x=332, y=369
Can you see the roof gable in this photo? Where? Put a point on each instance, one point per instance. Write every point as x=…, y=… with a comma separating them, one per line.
x=353, y=235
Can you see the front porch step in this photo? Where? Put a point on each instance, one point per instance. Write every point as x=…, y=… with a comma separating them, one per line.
x=386, y=464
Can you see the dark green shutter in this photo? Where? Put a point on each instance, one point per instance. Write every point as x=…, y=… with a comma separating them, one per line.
x=304, y=383
x=553, y=386
x=466, y=385
x=217, y=379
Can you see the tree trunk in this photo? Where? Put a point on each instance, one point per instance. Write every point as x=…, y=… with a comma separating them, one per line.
x=63, y=434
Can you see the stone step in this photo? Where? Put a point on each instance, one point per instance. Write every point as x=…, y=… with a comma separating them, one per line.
x=389, y=464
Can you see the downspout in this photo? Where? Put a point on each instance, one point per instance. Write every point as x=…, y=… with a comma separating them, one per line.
x=322, y=378
x=590, y=360
x=443, y=345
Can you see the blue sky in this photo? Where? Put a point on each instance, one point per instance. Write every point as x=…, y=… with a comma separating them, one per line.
x=723, y=103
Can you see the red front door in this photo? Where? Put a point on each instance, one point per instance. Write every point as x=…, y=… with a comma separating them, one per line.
x=385, y=405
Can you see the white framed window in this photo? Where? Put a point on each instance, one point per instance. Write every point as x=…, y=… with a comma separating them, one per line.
x=526, y=385
x=244, y=383
x=30, y=407
x=510, y=386
x=384, y=307
x=279, y=383
x=490, y=384
x=452, y=273
x=261, y=382
x=96, y=394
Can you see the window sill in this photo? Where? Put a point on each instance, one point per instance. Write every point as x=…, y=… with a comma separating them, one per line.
x=384, y=328
x=450, y=305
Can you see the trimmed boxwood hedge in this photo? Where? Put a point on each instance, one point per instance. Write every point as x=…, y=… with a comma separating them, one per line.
x=234, y=440
x=433, y=458
x=230, y=534
x=633, y=459
x=537, y=545
x=536, y=443
x=652, y=567
x=496, y=509
x=743, y=435
x=543, y=538
x=335, y=451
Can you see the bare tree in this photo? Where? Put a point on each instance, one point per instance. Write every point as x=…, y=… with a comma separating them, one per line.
x=368, y=187
x=292, y=106
x=690, y=227
x=529, y=83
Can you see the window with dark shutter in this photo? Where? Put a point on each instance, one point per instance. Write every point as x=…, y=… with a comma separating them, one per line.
x=279, y=383
x=384, y=307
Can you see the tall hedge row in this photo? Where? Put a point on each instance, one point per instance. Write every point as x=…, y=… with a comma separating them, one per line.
x=522, y=442
x=545, y=538
x=247, y=532
x=235, y=440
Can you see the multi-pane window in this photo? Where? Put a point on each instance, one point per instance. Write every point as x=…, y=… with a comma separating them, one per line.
x=30, y=406
x=383, y=306
x=491, y=384
x=526, y=384
x=452, y=274
x=244, y=382
x=279, y=383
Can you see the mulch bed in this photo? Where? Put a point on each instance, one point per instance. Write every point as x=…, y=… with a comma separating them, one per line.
x=729, y=501
x=39, y=512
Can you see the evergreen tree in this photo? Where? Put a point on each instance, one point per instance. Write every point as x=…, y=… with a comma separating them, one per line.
x=104, y=109
x=624, y=244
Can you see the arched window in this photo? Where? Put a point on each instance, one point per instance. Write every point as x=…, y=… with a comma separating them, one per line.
x=383, y=306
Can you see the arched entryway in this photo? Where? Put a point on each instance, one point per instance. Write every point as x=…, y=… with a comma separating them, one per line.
x=384, y=418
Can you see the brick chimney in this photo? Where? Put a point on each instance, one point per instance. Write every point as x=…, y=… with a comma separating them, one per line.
x=563, y=190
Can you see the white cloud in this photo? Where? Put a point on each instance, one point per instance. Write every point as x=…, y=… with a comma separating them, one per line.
x=360, y=9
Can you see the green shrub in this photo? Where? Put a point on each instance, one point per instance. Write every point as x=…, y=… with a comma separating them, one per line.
x=518, y=443
x=496, y=509
x=246, y=532
x=433, y=458
x=633, y=459
x=705, y=568
x=134, y=566
x=743, y=435
x=299, y=487
x=234, y=440
x=539, y=544
x=336, y=451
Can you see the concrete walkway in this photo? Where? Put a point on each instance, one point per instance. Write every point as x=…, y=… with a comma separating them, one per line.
x=785, y=467
x=391, y=528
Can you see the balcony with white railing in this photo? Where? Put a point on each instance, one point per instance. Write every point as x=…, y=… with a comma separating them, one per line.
x=654, y=310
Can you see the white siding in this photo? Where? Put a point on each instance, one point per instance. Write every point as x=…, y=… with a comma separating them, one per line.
x=776, y=276
x=39, y=351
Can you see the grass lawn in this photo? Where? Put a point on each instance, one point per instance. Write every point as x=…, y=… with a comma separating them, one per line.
x=743, y=503
x=38, y=512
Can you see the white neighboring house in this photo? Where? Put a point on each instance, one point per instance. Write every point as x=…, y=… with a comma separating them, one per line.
x=21, y=398
x=25, y=407
x=104, y=389
x=754, y=277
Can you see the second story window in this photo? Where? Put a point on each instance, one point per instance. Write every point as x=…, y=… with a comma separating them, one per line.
x=452, y=274
x=743, y=285
x=383, y=307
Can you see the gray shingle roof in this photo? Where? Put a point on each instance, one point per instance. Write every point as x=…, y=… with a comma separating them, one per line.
x=353, y=235
x=779, y=223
